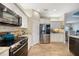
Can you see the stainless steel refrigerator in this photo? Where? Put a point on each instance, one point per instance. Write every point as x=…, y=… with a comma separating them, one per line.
x=44, y=33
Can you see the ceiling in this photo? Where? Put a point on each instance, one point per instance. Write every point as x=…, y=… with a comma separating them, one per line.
x=50, y=9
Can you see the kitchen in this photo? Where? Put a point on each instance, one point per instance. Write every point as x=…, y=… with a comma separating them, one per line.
x=12, y=27
x=27, y=26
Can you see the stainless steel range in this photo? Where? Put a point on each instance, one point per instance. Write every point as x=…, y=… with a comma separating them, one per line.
x=20, y=48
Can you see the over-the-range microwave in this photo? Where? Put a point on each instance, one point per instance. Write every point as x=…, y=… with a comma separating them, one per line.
x=9, y=17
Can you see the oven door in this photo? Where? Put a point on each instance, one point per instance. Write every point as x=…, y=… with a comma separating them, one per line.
x=22, y=51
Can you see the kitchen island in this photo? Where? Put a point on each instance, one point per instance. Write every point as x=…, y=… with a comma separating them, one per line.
x=4, y=51
x=74, y=44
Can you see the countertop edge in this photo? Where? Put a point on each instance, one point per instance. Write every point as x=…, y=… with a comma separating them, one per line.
x=74, y=36
x=7, y=48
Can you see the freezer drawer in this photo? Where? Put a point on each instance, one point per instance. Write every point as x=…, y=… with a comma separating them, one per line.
x=45, y=38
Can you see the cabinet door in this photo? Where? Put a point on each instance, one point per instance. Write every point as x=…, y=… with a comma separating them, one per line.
x=76, y=48
x=2, y=7
x=71, y=44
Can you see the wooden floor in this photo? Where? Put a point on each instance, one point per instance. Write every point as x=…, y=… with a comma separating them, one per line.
x=52, y=49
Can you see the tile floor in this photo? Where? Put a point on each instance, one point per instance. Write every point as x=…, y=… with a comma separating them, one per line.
x=52, y=49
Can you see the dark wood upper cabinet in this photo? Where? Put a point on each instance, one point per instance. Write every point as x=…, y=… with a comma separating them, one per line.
x=7, y=16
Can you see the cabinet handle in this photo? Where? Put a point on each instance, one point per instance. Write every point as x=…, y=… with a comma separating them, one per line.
x=19, y=48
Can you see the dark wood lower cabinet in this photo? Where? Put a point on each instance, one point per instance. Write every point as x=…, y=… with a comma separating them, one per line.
x=74, y=45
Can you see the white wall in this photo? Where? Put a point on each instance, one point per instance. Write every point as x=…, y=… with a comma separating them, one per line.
x=33, y=26
x=44, y=21
x=55, y=24
x=35, y=31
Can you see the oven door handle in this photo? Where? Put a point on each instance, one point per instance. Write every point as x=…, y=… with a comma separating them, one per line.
x=19, y=48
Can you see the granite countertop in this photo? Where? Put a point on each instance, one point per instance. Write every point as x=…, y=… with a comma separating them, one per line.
x=3, y=49
x=23, y=36
x=57, y=33
x=75, y=36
